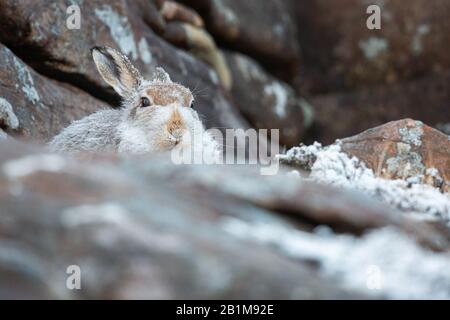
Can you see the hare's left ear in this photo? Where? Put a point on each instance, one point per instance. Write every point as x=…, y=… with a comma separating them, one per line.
x=117, y=70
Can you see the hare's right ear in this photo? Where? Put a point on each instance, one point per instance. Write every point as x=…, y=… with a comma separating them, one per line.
x=116, y=70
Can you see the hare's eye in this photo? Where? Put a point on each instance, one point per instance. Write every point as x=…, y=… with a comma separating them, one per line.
x=145, y=102
x=192, y=104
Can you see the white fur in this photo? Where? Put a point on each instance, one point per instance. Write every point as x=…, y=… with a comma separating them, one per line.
x=135, y=129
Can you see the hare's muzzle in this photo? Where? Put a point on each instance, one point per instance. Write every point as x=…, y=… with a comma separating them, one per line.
x=176, y=126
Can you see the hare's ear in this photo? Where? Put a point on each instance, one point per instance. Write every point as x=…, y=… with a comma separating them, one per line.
x=160, y=75
x=116, y=70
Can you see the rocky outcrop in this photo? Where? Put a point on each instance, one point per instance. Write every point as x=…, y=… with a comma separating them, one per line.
x=35, y=107
x=404, y=149
x=270, y=38
x=45, y=43
x=339, y=115
x=341, y=53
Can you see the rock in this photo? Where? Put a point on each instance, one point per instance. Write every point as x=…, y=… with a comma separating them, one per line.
x=339, y=115
x=117, y=220
x=122, y=227
x=174, y=11
x=45, y=43
x=199, y=43
x=143, y=227
x=404, y=149
x=271, y=38
x=415, y=200
x=341, y=53
x=266, y=102
x=35, y=107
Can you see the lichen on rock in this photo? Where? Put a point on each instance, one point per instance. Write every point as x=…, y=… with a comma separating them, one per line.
x=412, y=135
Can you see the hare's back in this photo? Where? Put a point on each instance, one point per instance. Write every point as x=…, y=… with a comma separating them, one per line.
x=97, y=132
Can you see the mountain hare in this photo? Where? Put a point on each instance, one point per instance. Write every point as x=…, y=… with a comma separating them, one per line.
x=156, y=115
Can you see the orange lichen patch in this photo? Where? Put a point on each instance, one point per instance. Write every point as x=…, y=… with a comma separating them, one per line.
x=166, y=94
x=175, y=122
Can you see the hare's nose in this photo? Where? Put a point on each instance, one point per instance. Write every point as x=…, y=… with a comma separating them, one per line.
x=177, y=134
x=175, y=123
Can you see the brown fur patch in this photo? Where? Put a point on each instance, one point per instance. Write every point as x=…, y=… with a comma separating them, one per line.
x=175, y=122
x=166, y=94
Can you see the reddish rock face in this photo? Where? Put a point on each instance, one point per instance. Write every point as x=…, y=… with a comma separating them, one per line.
x=38, y=107
x=404, y=149
x=342, y=53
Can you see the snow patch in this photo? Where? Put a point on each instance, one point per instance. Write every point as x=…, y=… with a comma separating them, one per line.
x=331, y=166
x=303, y=156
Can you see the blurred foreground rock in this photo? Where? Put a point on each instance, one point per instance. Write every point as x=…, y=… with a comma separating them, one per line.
x=117, y=220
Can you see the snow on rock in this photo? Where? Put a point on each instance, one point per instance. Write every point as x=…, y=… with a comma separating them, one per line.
x=382, y=263
x=303, y=156
x=330, y=165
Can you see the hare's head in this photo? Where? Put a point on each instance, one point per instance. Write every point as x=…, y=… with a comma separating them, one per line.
x=158, y=107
